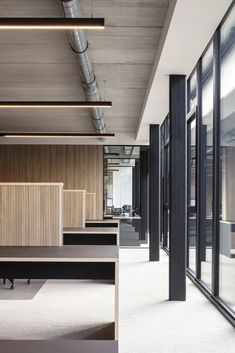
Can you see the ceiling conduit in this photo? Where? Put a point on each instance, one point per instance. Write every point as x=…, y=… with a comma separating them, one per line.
x=79, y=45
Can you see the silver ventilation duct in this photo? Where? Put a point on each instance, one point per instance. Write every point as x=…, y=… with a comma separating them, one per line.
x=79, y=46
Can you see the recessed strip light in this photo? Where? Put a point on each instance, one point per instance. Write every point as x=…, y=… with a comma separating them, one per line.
x=55, y=135
x=50, y=23
x=73, y=104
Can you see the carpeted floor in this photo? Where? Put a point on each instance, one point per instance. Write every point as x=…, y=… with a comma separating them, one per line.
x=151, y=324
x=148, y=322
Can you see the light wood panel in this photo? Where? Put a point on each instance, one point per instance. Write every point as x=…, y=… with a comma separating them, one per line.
x=90, y=206
x=31, y=214
x=79, y=167
x=74, y=208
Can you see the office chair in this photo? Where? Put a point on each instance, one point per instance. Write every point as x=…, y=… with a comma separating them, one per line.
x=13, y=282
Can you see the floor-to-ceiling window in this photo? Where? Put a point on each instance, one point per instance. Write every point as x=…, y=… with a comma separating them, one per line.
x=165, y=173
x=206, y=166
x=227, y=140
x=122, y=191
x=211, y=168
x=191, y=193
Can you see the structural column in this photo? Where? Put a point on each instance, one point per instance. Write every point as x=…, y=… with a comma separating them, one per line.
x=144, y=193
x=136, y=186
x=177, y=265
x=154, y=194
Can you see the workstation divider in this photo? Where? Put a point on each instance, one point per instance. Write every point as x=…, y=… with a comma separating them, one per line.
x=31, y=214
x=74, y=208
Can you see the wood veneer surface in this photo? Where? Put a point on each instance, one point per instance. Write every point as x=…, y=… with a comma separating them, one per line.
x=31, y=214
x=74, y=208
x=92, y=230
x=79, y=167
x=90, y=206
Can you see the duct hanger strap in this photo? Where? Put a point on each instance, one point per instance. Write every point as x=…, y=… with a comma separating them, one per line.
x=80, y=51
x=89, y=84
x=98, y=119
x=100, y=129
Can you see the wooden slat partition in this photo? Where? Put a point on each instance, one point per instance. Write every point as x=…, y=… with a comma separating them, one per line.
x=31, y=214
x=74, y=208
x=90, y=206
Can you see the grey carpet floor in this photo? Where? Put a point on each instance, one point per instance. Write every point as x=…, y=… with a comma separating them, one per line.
x=149, y=323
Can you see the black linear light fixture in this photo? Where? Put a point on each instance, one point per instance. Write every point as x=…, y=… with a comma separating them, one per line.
x=111, y=154
x=54, y=104
x=56, y=135
x=40, y=23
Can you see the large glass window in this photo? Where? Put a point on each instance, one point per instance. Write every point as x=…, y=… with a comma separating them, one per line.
x=165, y=153
x=211, y=245
x=192, y=92
x=121, y=180
x=227, y=217
x=192, y=220
x=122, y=191
x=206, y=165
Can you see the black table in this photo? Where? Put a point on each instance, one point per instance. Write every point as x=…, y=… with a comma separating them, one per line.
x=91, y=236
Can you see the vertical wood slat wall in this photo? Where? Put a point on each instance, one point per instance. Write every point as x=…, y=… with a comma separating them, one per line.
x=79, y=167
x=74, y=208
x=31, y=214
x=90, y=206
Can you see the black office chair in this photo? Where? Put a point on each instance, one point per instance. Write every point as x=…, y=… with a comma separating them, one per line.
x=13, y=282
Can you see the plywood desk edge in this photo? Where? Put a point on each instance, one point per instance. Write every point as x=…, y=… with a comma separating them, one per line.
x=103, y=231
x=70, y=190
x=33, y=184
x=59, y=259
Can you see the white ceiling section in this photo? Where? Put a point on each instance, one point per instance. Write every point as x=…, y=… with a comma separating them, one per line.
x=38, y=65
x=189, y=26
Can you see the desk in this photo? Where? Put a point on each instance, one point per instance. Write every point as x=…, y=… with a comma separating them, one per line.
x=65, y=262
x=91, y=236
x=59, y=346
x=129, y=230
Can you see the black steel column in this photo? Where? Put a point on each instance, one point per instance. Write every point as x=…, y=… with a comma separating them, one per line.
x=154, y=194
x=177, y=265
x=144, y=193
x=137, y=186
x=133, y=187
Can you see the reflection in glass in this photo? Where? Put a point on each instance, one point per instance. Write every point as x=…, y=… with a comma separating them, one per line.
x=122, y=191
x=193, y=91
x=192, y=195
x=227, y=218
x=165, y=180
x=207, y=167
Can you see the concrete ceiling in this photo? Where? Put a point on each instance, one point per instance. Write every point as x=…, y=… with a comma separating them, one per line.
x=40, y=65
x=188, y=28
